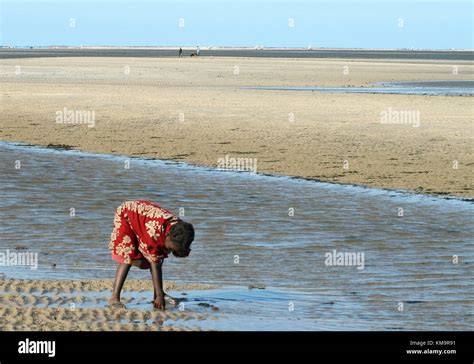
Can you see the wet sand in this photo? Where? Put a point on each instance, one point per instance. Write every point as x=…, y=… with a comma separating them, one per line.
x=37, y=305
x=194, y=110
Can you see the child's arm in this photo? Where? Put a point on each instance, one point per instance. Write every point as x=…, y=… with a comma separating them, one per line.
x=157, y=277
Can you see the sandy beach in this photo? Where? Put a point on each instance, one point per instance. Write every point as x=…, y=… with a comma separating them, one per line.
x=37, y=305
x=197, y=110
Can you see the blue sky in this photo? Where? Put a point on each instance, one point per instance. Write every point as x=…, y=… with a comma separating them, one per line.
x=361, y=24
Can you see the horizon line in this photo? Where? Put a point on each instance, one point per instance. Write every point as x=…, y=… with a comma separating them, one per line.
x=256, y=47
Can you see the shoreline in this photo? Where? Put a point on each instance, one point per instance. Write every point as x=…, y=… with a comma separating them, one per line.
x=213, y=168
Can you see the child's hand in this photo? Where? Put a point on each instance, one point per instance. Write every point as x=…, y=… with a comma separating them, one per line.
x=159, y=302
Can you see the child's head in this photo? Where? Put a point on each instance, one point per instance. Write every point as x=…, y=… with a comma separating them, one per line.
x=179, y=240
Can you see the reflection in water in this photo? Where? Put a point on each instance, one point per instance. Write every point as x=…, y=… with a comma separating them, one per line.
x=408, y=258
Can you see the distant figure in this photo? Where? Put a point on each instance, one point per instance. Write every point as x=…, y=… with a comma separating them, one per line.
x=180, y=52
x=197, y=51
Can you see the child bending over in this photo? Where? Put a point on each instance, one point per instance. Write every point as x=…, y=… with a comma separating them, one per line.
x=143, y=235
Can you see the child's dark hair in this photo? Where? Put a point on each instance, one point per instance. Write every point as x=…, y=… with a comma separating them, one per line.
x=182, y=234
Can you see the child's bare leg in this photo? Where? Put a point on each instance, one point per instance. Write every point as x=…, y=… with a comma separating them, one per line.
x=120, y=277
x=154, y=290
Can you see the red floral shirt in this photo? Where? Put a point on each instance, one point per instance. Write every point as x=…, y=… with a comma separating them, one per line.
x=140, y=229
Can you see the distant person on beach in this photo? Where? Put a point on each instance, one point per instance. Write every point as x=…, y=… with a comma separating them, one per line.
x=143, y=235
x=197, y=51
x=180, y=52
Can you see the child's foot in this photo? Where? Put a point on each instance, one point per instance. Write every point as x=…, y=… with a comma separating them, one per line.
x=115, y=303
x=170, y=300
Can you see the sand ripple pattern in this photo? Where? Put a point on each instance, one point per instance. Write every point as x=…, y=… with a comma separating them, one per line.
x=53, y=305
x=95, y=285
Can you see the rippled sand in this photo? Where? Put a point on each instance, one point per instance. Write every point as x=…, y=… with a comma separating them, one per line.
x=36, y=305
